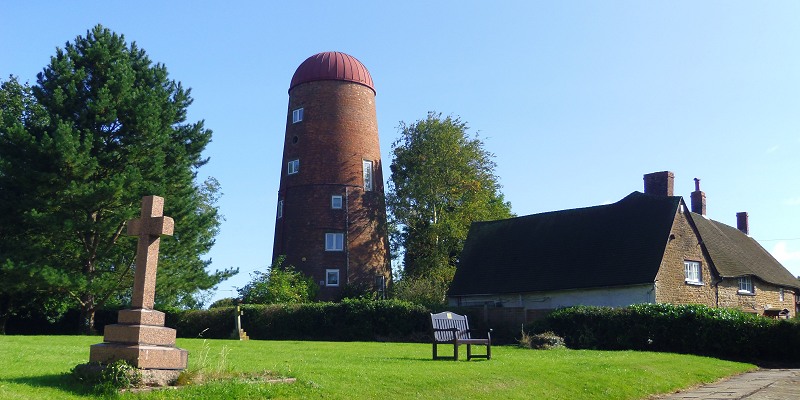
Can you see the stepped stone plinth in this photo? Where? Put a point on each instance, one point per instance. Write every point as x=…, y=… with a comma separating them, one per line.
x=139, y=337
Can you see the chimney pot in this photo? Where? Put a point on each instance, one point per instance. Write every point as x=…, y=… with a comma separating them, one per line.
x=659, y=183
x=743, y=222
x=698, y=199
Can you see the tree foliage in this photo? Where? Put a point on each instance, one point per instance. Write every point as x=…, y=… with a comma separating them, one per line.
x=280, y=284
x=102, y=127
x=442, y=180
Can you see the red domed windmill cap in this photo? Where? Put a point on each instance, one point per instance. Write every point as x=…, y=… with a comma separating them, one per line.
x=332, y=65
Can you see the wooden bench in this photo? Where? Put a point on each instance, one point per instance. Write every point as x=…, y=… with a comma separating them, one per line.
x=450, y=328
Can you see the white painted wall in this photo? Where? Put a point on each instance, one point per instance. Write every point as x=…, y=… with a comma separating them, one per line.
x=608, y=297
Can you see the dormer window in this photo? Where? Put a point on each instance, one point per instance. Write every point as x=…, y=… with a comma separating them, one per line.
x=297, y=115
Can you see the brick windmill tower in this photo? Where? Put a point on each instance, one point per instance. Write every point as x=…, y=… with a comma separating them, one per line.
x=331, y=217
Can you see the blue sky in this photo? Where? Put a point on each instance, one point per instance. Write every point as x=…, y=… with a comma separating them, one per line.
x=577, y=100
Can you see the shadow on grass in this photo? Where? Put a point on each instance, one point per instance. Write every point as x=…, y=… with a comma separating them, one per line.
x=63, y=382
x=441, y=360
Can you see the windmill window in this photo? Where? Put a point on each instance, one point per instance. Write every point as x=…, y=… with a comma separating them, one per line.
x=336, y=202
x=334, y=241
x=297, y=115
x=293, y=167
x=331, y=277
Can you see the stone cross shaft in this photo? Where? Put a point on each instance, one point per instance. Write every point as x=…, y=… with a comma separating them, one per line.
x=148, y=227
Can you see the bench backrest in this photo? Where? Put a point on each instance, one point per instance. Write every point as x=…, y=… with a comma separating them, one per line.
x=447, y=320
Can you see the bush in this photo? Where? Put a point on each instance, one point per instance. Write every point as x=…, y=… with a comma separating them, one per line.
x=693, y=329
x=226, y=302
x=280, y=284
x=540, y=341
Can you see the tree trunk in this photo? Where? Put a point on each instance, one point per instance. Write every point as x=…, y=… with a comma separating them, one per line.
x=3, y=320
x=87, y=316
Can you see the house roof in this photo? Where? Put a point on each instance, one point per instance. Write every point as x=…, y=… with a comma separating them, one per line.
x=736, y=254
x=603, y=246
x=581, y=248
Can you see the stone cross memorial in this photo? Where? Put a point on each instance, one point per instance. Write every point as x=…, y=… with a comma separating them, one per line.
x=139, y=336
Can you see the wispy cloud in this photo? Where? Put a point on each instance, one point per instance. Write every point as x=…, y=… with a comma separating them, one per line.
x=773, y=149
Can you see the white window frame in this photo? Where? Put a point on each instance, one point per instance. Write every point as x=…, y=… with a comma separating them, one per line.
x=337, y=202
x=297, y=115
x=746, y=285
x=280, y=209
x=331, y=273
x=293, y=167
x=693, y=272
x=369, y=176
x=781, y=296
x=334, y=241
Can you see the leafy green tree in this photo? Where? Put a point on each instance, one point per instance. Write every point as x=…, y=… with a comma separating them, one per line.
x=224, y=302
x=442, y=180
x=102, y=127
x=279, y=284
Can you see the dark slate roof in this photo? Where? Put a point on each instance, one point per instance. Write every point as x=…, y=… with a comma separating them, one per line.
x=735, y=254
x=610, y=245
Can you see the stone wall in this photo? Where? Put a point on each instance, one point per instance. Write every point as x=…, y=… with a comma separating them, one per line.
x=671, y=285
x=766, y=296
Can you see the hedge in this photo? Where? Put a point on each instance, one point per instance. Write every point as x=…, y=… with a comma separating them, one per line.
x=691, y=329
x=349, y=320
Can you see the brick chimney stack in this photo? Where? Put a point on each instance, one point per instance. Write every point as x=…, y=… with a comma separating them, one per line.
x=698, y=199
x=659, y=183
x=743, y=222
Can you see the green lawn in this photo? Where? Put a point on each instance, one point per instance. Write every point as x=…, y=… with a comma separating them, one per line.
x=34, y=367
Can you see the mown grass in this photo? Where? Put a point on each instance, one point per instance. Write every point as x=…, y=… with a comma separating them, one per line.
x=36, y=367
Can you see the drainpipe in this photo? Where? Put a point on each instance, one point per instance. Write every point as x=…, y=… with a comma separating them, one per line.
x=346, y=235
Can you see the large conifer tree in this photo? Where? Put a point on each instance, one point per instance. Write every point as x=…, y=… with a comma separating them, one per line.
x=102, y=127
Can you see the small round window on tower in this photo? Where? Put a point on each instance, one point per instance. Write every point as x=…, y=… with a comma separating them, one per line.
x=295, y=139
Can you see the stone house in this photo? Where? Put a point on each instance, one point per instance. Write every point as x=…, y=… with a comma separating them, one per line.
x=646, y=248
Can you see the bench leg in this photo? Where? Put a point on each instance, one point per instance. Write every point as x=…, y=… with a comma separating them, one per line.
x=435, y=352
x=455, y=351
x=489, y=351
x=469, y=352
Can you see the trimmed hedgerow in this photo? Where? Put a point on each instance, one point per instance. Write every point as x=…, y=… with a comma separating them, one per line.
x=214, y=323
x=349, y=320
x=692, y=329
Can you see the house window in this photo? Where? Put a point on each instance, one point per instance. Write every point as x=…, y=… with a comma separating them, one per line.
x=331, y=277
x=336, y=202
x=746, y=285
x=293, y=167
x=780, y=294
x=334, y=241
x=280, y=208
x=693, y=272
x=297, y=115
x=367, y=175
